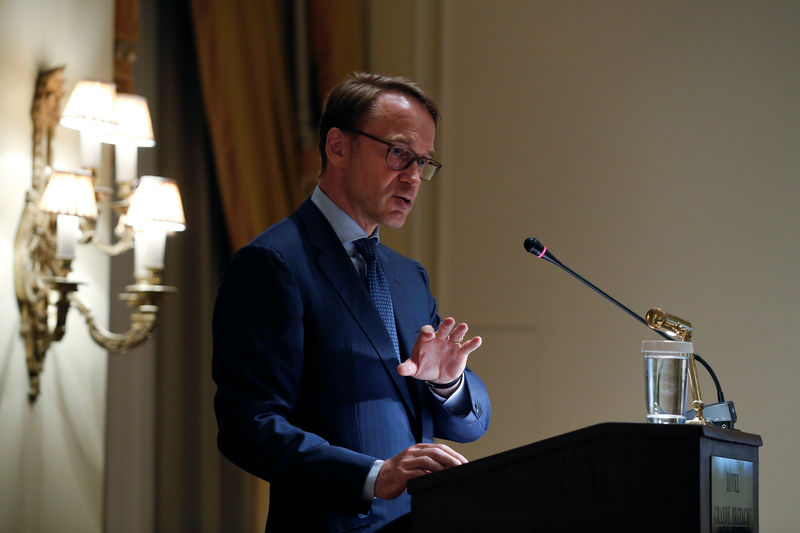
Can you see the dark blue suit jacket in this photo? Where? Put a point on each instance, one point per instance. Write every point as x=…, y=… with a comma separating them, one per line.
x=308, y=395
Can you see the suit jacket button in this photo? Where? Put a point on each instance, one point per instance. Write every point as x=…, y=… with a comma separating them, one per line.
x=478, y=409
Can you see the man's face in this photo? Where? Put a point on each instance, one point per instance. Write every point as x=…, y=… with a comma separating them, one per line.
x=375, y=192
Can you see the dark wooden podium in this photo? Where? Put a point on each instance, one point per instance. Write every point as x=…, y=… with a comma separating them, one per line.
x=607, y=477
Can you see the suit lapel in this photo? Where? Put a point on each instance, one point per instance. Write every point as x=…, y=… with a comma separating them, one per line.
x=336, y=266
x=407, y=330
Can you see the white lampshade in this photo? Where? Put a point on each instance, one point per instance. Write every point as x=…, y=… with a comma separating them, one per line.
x=90, y=107
x=90, y=110
x=70, y=192
x=156, y=202
x=134, y=127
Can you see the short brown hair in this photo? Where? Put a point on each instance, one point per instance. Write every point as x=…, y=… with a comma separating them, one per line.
x=351, y=101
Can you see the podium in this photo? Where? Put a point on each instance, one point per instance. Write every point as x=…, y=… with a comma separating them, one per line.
x=608, y=477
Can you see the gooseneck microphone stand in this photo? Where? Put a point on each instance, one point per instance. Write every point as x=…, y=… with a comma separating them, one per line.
x=721, y=414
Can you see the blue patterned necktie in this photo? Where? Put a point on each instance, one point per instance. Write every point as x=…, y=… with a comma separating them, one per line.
x=378, y=288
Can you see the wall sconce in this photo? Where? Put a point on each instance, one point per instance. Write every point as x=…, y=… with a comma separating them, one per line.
x=61, y=209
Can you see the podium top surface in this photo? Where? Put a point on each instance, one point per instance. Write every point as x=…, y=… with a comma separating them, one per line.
x=616, y=430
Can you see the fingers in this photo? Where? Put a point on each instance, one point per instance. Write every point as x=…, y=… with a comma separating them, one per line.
x=445, y=328
x=446, y=449
x=458, y=333
x=422, y=464
x=472, y=344
x=426, y=333
x=450, y=332
x=445, y=455
x=413, y=462
x=431, y=457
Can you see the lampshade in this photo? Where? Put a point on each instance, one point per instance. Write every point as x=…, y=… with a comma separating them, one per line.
x=90, y=107
x=70, y=192
x=156, y=202
x=132, y=116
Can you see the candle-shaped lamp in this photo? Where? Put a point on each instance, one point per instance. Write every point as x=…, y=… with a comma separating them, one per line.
x=90, y=110
x=70, y=194
x=134, y=129
x=155, y=209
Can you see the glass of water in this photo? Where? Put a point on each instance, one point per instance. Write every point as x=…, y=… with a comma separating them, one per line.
x=666, y=366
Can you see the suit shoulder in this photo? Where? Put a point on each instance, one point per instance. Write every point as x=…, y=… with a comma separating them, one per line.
x=392, y=255
x=400, y=261
x=281, y=236
x=275, y=246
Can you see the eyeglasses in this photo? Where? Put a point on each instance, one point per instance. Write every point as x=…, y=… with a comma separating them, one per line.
x=400, y=158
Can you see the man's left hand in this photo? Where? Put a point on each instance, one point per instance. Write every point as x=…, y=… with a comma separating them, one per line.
x=439, y=356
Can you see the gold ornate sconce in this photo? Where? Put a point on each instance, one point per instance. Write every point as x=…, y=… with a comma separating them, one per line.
x=61, y=209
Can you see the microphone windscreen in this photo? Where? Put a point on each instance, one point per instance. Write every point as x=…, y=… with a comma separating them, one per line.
x=534, y=246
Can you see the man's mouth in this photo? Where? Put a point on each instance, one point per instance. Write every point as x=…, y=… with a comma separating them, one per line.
x=406, y=200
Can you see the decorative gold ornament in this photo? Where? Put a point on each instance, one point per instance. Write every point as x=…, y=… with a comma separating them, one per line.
x=41, y=264
x=682, y=329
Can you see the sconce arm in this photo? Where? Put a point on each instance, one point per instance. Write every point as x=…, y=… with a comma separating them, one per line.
x=143, y=321
x=66, y=289
x=124, y=244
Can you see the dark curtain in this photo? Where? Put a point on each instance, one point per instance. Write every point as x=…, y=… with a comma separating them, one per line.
x=196, y=488
x=243, y=159
x=264, y=69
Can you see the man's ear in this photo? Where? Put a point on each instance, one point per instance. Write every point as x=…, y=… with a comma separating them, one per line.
x=337, y=147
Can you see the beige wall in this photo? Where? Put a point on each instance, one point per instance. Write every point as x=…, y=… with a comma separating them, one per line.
x=653, y=147
x=51, y=453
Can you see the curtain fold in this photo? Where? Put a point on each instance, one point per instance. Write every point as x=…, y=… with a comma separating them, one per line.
x=247, y=61
x=197, y=489
x=243, y=77
x=337, y=40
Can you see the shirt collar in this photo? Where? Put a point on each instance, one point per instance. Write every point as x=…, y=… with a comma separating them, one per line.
x=347, y=229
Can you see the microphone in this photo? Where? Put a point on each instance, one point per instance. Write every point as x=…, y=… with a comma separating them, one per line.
x=727, y=417
x=535, y=246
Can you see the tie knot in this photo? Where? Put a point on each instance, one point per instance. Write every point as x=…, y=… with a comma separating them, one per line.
x=367, y=248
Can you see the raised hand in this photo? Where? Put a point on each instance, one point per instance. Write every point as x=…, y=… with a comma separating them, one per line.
x=439, y=356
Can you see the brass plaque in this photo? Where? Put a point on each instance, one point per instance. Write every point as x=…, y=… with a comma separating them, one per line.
x=732, y=502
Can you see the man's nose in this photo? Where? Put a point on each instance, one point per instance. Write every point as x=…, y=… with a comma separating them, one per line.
x=413, y=173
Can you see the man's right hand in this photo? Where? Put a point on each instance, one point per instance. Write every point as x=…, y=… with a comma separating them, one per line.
x=412, y=462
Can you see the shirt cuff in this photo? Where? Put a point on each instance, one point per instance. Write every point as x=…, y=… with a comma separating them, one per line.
x=459, y=402
x=368, y=492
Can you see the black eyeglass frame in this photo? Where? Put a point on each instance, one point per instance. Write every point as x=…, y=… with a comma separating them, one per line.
x=428, y=161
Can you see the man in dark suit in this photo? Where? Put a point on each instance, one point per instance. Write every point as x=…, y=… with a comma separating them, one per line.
x=314, y=317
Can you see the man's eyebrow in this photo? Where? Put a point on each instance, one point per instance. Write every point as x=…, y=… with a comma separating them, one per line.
x=407, y=142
